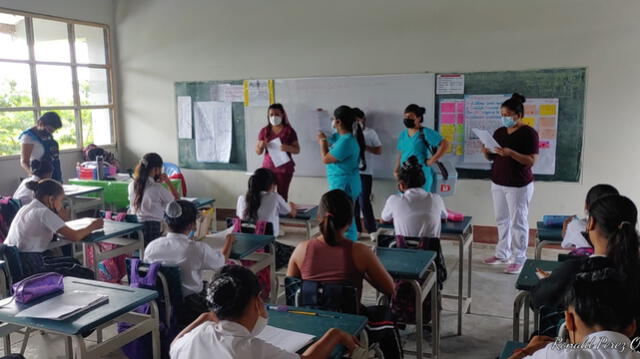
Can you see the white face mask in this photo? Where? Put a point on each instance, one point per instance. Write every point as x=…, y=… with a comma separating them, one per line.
x=261, y=323
x=275, y=120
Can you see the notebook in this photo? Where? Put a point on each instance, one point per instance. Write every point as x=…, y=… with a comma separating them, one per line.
x=64, y=306
x=285, y=339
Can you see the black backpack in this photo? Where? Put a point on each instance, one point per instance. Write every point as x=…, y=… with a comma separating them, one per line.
x=8, y=209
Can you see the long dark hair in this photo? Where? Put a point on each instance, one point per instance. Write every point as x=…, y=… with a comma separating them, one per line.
x=231, y=291
x=44, y=188
x=285, y=118
x=41, y=168
x=598, y=191
x=347, y=117
x=411, y=173
x=515, y=104
x=261, y=180
x=335, y=212
x=616, y=217
x=149, y=162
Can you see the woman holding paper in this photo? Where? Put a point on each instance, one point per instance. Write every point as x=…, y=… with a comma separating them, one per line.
x=512, y=183
x=278, y=141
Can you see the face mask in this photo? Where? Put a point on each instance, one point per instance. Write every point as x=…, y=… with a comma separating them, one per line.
x=261, y=323
x=508, y=121
x=334, y=126
x=275, y=120
x=409, y=123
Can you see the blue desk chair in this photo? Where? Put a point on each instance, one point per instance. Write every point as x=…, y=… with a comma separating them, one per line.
x=250, y=226
x=335, y=297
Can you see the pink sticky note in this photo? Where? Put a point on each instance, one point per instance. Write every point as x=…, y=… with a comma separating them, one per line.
x=460, y=107
x=460, y=118
x=447, y=107
x=447, y=118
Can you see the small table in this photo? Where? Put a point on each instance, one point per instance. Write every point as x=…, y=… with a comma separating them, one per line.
x=318, y=325
x=83, y=198
x=546, y=236
x=111, y=233
x=122, y=300
x=116, y=193
x=417, y=266
x=510, y=347
x=527, y=280
x=202, y=203
x=309, y=218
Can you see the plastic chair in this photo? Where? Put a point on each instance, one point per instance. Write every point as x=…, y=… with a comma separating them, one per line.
x=335, y=297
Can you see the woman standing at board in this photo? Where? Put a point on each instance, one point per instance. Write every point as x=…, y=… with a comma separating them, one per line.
x=420, y=142
x=278, y=127
x=343, y=154
x=512, y=183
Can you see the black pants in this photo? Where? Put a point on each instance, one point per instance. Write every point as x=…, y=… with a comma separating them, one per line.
x=151, y=231
x=33, y=263
x=363, y=204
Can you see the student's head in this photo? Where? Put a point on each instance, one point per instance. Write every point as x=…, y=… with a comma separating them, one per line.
x=42, y=169
x=410, y=175
x=181, y=216
x=50, y=122
x=413, y=116
x=612, y=225
x=345, y=122
x=513, y=108
x=599, y=300
x=276, y=115
x=360, y=116
x=150, y=166
x=234, y=295
x=47, y=191
x=598, y=191
x=262, y=180
x=335, y=213
x=95, y=152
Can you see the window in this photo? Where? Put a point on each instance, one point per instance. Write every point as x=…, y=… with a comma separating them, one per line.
x=52, y=64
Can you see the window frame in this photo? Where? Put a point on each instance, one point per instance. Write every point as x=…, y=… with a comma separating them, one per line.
x=77, y=107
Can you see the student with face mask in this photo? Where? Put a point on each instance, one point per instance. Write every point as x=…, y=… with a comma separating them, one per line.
x=512, y=184
x=420, y=141
x=278, y=126
x=237, y=316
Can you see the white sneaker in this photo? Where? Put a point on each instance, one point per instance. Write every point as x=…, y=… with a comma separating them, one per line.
x=493, y=260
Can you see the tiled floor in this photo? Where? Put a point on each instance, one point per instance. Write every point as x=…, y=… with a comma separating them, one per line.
x=484, y=330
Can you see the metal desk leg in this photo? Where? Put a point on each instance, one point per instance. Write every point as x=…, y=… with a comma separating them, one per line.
x=419, y=324
x=68, y=347
x=155, y=332
x=469, y=271
x=141, y=247
x=525, y=330
x=460, y=280
x=273, y=296
x=435, y=317
x=308, y=222
x=519, y=304
x=80, y=347
x=7, y=344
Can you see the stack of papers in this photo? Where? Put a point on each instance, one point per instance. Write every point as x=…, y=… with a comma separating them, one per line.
x=278, y=157
x=64, y=306
x=285, y=339
x=487, y=139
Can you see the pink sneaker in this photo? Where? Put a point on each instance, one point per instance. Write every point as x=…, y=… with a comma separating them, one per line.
x=495, y=260
x=513, y=268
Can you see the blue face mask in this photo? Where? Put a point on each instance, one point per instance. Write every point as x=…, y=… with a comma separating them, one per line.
x=508, y=121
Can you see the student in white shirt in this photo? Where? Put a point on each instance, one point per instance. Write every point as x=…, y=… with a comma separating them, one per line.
x=262, y=202
x=39, y=170
x=598, y=319
x=35, y=225
x=148, y=197
x=574, y=227
x=414, y=212
x=238, y=316
x=363, y=203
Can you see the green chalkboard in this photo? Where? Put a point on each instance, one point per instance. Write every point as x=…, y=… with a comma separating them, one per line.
x=201, y=91
x=568, y=85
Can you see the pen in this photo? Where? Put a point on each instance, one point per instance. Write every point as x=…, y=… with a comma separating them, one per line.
x=284, y=308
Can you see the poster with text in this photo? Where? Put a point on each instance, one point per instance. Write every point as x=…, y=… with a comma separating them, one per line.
x=481, y=112
x=542, y=115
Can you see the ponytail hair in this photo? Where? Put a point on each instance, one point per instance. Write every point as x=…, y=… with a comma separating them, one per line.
x=347, y=117
x=335, y=212
x=416, y=110
x=44, y=188
x=616, y=217
x=411, y=173
x=261, y=180
x=149, y=162
x=515, y=104
x=42, y=168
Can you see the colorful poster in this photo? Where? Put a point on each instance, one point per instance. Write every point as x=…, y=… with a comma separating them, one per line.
x=480, y=112
x=452, y=124
x=542, y=115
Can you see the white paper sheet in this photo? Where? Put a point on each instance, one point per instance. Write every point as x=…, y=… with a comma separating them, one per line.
x=487, y=139
x=213, y=131
x=324, y=122
x=184, y=117
x=574, y=236
x=64, y=305
x=259, y=94
x=449, y=84
x=278, y=156
x=285, y=339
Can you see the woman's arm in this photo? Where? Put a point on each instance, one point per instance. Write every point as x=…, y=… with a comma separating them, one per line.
x=293, y=148
x=396, y=171
x=80, y=234
x=324, y=149
x=488, y=155
x=164, y=178
x=25, y=157
x=325, y=345
x=294, y=210
x=293, y=270
x=374, y=271
x=377, y=150
x=260, y=147
x=527, y=160
x=228, y=244
x=442, y=149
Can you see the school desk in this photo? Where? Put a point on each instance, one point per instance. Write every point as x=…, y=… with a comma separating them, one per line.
x=246, y=246
x=79, y=199
x=417, y=266
x=546, y=236
x=317, y=325
x=122, y=301
x=113, y=232
x=309, y=218
x=527, y=280
x=510, y=347
x=116, y=193
x=463, y=233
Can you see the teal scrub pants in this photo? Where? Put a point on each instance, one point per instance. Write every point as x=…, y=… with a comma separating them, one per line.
x=352, y=186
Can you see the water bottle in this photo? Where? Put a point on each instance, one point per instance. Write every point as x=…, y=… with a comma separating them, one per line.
x=100, y=163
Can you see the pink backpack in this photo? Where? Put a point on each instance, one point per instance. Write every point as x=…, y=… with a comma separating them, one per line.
x=113, y=269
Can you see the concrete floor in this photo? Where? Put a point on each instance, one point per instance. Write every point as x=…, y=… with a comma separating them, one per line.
x=484, y=330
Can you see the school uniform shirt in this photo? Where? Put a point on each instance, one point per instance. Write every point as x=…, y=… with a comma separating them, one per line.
x=272, y=206
x=225, y=340
x=38, y=148
x=573, y=237
x=24, y=194
x=415, y=213
x=191, y=256
x=287, y=136
x=505, y=171
x=344, y=174
x=415, y=146
x=599, y=345
x=154, y=200
x=371, y=139
x=33, y=228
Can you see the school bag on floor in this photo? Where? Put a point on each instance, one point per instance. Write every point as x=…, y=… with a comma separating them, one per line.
x=113, y=269
x=8, y=209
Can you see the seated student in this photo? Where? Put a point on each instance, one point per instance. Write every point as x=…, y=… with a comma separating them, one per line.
x=612, y=230
x=148, y=197
x=332, y=257
x=35, y=225
x=597, y=316
x=414, y=212
x=39, y=170
x=262, y=202
x=574, y=227
x=191, y=256
x=238, y=316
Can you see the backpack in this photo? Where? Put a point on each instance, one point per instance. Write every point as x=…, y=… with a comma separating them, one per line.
x=264, y=276
x=113, y=269
x=8, y=209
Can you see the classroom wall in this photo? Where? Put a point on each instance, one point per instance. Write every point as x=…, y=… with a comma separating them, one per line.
x=164, y=41
x=100, y=11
